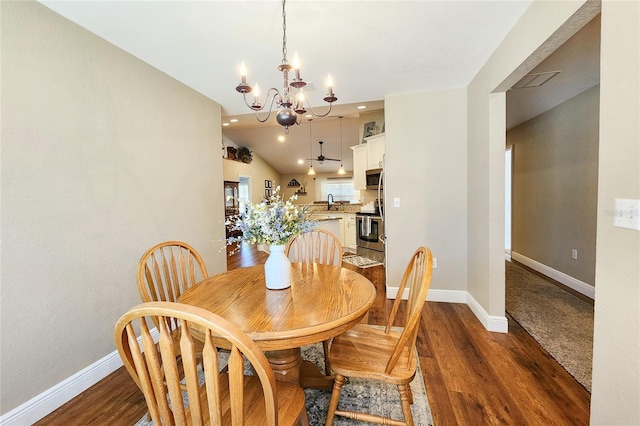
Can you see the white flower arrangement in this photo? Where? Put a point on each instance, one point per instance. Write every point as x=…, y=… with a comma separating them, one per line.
x=271, y=222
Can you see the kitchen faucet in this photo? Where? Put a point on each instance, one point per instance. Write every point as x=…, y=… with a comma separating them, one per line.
x=329, y=201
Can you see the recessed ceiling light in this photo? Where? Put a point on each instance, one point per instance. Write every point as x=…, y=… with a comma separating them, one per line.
x=362, y=107
x=225, y=124
x=300, y=161
x=234, y=120
x=281, y=138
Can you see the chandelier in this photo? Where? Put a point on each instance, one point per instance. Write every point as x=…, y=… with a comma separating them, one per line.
x=291, y=100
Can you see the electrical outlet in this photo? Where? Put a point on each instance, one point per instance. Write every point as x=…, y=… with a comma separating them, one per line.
x=435, y=263
x=574, y=254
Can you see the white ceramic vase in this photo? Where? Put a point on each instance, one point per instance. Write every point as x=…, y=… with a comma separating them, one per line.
x=277, y=269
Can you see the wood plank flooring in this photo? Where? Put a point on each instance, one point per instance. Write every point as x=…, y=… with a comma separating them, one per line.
x=472, y=377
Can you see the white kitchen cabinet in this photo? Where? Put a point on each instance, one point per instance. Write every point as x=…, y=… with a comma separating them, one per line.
x=375, y=151
x=350, y=234
x=359, y=166
x=333, y=222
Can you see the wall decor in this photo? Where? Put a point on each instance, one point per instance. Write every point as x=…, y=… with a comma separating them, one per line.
x=268, y=183
x=369, y=129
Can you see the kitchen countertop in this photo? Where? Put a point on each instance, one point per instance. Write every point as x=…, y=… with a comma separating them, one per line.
x=321, y=218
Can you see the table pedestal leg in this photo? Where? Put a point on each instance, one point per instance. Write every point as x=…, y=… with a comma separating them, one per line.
x=288, y=366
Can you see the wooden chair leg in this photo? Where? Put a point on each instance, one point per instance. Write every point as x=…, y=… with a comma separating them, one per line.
x=409, y=393
x=406, y=406
x=304, y=418
x=335, y=397
x=327, y=365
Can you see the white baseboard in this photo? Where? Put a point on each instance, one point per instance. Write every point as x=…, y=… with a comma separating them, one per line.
x=53, y=398
x=490, y=322
x=573, y=283
x=493, y=323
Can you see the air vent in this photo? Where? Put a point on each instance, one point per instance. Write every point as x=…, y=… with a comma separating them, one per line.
x=535, y=80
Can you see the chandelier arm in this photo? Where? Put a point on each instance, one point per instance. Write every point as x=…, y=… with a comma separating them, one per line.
x=271, y=92
x=270, y=109
x=316, y=114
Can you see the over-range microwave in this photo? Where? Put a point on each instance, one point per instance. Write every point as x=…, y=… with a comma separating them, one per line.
x=374, y=178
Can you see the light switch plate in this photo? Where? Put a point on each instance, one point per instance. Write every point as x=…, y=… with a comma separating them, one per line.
x=627, y=214
x=396, y=202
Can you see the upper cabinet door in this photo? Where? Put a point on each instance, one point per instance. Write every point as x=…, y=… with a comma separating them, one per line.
x=359, y=166
x=375, y=151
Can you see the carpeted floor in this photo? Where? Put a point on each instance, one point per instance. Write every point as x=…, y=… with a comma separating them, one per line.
x=368, y=396
x=561, y=322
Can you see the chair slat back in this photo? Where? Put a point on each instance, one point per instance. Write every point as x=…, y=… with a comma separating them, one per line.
x=155, y=368
x=319, y=246
x=417, y=277
x=167, y=270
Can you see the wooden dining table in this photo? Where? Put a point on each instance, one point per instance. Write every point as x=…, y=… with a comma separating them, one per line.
x=322, y=302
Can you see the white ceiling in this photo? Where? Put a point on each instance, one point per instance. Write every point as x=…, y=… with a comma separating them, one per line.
x=371, y=48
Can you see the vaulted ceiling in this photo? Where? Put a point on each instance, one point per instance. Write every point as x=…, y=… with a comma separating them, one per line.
x=371, y=48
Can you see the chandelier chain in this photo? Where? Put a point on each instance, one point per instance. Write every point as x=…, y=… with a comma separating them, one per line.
x=284, y=33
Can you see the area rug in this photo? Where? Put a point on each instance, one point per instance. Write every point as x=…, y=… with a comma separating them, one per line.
x=360, y=261
x=361, y=395
x=559, y=321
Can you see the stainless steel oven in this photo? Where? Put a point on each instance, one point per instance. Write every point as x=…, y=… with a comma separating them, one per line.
x=370, y=236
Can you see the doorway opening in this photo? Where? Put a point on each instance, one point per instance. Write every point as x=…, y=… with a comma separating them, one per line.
x=507, y=202
x=244, y=192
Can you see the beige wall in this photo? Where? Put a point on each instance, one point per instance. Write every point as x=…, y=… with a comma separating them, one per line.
x=425, y=167
x=555, y=186
x=616, y=354
x=533, y=38
x=102, y=157
x=258, y=170
x=545, y=26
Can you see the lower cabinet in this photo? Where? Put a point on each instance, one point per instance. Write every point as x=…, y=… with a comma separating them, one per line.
x=343, y=225
x=350, y=234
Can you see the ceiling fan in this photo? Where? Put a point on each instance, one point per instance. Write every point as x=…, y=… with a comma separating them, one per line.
x=321, y=158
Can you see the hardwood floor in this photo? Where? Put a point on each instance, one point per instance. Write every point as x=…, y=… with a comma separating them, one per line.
x=473, y=377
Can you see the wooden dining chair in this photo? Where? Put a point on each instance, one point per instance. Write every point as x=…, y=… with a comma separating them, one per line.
x=322, y=247
x=167, y=269
x=212, y=396
x=318, y=246
x=383, y=354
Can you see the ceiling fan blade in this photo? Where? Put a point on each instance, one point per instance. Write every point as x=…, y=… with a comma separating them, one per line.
x=331, y=159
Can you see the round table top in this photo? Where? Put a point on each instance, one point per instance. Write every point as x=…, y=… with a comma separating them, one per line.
x=323, y=301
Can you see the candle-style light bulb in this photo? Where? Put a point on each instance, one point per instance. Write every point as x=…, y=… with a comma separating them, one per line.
x=296, y=65
x=256, y=94
x=243, y=73
x=330, y=84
